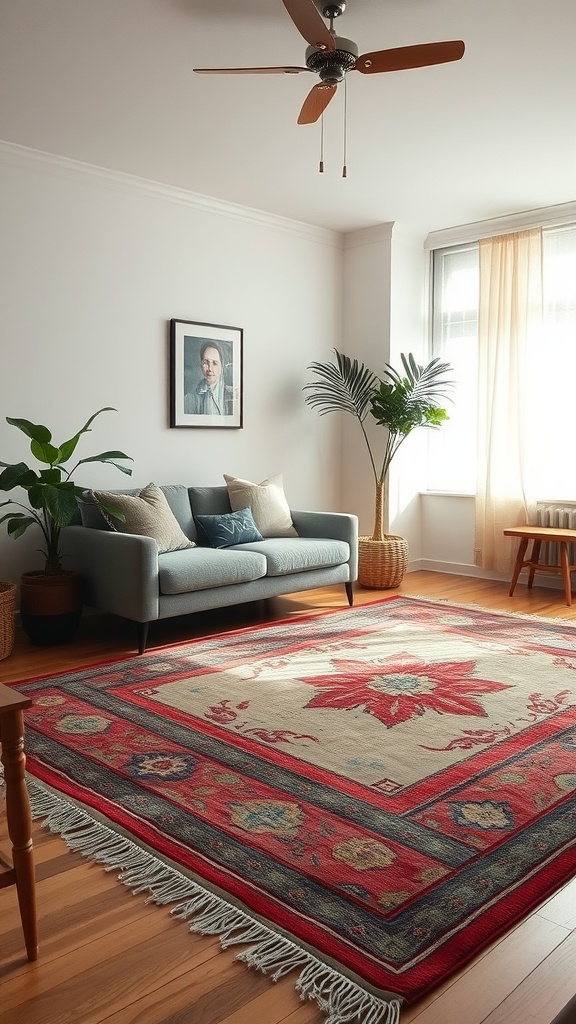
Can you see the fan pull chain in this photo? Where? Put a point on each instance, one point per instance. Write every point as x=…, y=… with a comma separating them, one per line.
x=321, y=165
x=344, y=168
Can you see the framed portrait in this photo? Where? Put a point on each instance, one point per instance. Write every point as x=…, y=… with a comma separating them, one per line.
x=205, y=374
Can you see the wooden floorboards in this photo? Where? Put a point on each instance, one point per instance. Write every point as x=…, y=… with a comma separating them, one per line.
x=108, y=956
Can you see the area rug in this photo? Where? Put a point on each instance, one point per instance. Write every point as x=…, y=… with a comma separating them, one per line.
x=367, y=797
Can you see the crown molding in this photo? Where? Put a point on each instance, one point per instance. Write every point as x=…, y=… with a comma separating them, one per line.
x=545, y=216
x=120, y=181
x=368, y=236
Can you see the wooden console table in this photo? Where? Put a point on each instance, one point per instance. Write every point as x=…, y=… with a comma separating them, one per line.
x=21, y=873
x=539, y=534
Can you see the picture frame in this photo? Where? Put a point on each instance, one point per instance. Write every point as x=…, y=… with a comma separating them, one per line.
x=206, y=374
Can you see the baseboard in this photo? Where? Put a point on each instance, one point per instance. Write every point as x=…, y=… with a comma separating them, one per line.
x=463, y=569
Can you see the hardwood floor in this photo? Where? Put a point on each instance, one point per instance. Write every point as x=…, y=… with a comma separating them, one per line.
x=107, y=956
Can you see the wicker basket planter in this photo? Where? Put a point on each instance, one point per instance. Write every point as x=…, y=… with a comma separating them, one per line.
x=7, y=606
x=382, y=563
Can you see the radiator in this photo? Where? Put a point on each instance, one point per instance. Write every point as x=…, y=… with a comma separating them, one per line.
x=563, y=517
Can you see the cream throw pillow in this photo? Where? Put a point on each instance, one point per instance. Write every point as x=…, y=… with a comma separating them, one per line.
x=148, y=514
x=267, y=501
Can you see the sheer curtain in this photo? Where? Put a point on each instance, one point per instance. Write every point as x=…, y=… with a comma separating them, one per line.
x=509, y=325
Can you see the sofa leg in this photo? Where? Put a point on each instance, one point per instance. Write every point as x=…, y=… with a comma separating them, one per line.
x=349, y=593
x=142, y=636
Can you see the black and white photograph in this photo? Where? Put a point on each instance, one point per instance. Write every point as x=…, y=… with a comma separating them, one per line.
x=205, y=374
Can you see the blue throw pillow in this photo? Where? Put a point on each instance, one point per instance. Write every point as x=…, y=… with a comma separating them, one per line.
x=230, y=528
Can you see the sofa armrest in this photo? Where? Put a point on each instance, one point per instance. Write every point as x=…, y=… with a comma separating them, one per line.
x=333, y=526
x=119, y=570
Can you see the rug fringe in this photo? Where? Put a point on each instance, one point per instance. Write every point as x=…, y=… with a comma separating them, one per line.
x=340, y=998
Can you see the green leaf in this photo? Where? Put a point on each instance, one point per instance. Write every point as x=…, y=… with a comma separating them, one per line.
x=109, y=458
x=116, y=513
x=403, y=403
x=436, y=416
x=45, y=452
x=50, y=476
x=10, y=515
x=344, y=386
x=427, y=381
x=61, y=504
x=35, y=431
x=19, y=524
x=68, y=448
x=36, y=494
x=18, y=475
x=52, y=495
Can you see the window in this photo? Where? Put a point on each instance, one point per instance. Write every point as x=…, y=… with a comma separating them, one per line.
x=455, y=289
x=555, y=372
x=451, y=465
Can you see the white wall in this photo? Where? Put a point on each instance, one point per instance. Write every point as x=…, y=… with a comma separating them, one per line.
x=448, y=533
x=408, y=333
x=366, y=337
x=447, y=524
x=93, y=265
x=384, y=315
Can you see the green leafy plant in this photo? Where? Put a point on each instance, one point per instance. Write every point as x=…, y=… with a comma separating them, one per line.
x=52, y=495
x=399, y=402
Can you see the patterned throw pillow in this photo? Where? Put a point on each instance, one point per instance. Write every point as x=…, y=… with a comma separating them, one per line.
x=148, y=514
x=267, y=501
x=231, y=528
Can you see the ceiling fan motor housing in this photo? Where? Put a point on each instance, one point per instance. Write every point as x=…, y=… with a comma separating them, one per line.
x=332, y=65
x=334, y=10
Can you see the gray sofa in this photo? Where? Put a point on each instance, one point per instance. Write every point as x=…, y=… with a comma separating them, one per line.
x=124, y=574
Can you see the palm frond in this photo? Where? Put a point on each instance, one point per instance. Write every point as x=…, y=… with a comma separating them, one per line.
x=422, y=383
x=345, y=385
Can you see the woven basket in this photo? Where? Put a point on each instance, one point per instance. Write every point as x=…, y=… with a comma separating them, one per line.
x=7, y=602
x=382, y=563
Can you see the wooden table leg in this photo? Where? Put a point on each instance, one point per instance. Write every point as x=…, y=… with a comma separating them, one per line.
x=534, y=557
x=518, y=564
x=19, y=822
x=565, y=563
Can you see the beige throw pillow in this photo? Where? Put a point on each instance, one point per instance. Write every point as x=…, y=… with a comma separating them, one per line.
x=267, y=501
x=148, y=514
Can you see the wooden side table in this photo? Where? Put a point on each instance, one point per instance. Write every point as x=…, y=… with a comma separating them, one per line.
x=21, y=873
x=539, y=534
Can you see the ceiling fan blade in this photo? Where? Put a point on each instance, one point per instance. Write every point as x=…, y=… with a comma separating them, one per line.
x=403, y=57
x=309, y=23
x=249, y=71
x=316, y=102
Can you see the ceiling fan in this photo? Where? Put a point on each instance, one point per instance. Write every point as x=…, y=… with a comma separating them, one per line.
x=332, y=57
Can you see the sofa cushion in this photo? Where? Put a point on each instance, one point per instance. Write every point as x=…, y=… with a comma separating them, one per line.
x=179, y=500
x=181, y=572
x=228, y=529
x=285, y=555
x=177, y=496
x=267, y=502
x=209, y=501
x=147, y=514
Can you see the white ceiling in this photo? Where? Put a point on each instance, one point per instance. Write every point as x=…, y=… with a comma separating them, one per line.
x=110, y=82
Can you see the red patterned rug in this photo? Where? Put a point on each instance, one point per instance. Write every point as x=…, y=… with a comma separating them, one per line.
x=378, y=792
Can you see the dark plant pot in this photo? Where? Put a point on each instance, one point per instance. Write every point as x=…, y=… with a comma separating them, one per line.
x=50, y=607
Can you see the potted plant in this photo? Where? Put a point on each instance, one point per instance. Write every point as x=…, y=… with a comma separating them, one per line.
x=50, y=599
x=400, y=403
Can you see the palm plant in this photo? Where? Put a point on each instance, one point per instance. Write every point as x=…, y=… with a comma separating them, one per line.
x=52, y=495
x=398, y=402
